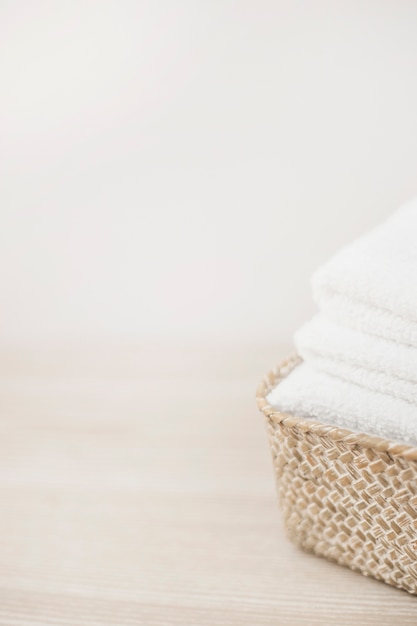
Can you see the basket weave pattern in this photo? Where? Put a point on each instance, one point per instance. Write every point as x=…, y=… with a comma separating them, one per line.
x=349, y=497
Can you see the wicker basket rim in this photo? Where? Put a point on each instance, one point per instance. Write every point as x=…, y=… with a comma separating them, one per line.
x=310, y=425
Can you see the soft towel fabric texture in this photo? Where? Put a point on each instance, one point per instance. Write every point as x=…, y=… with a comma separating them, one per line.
x=360, y=351
x=368, y=361
x=309, y=393
x=370, y=285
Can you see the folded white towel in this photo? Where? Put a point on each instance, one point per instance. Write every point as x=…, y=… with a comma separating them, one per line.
x=370, y=285
x=360, y=353
x=366, y=360
x=309, y=393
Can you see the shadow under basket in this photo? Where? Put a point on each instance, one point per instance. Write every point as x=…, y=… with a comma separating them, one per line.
x=347, y=496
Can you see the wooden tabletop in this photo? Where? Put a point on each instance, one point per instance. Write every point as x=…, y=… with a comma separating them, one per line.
x=136, y=488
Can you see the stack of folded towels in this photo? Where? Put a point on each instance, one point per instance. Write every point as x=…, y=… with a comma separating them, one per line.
x=359, y=368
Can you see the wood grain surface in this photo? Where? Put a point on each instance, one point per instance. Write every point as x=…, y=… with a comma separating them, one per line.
x=136, y=488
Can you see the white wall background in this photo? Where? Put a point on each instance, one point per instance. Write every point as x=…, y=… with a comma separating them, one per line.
x=179, y=167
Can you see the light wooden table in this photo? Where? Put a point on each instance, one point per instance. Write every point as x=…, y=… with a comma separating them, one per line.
x=136, y=489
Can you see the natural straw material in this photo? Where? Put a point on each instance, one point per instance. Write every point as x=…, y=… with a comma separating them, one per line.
x=346, y=496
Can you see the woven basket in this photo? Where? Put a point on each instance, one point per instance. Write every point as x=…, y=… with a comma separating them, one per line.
x=349, y=497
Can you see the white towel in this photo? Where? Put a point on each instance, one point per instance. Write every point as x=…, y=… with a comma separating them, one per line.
x=371, y=284
x=309, y=393
x=368, y=361
x=360, y=352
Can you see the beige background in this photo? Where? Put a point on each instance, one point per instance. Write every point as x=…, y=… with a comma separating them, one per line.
x=180, y=167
